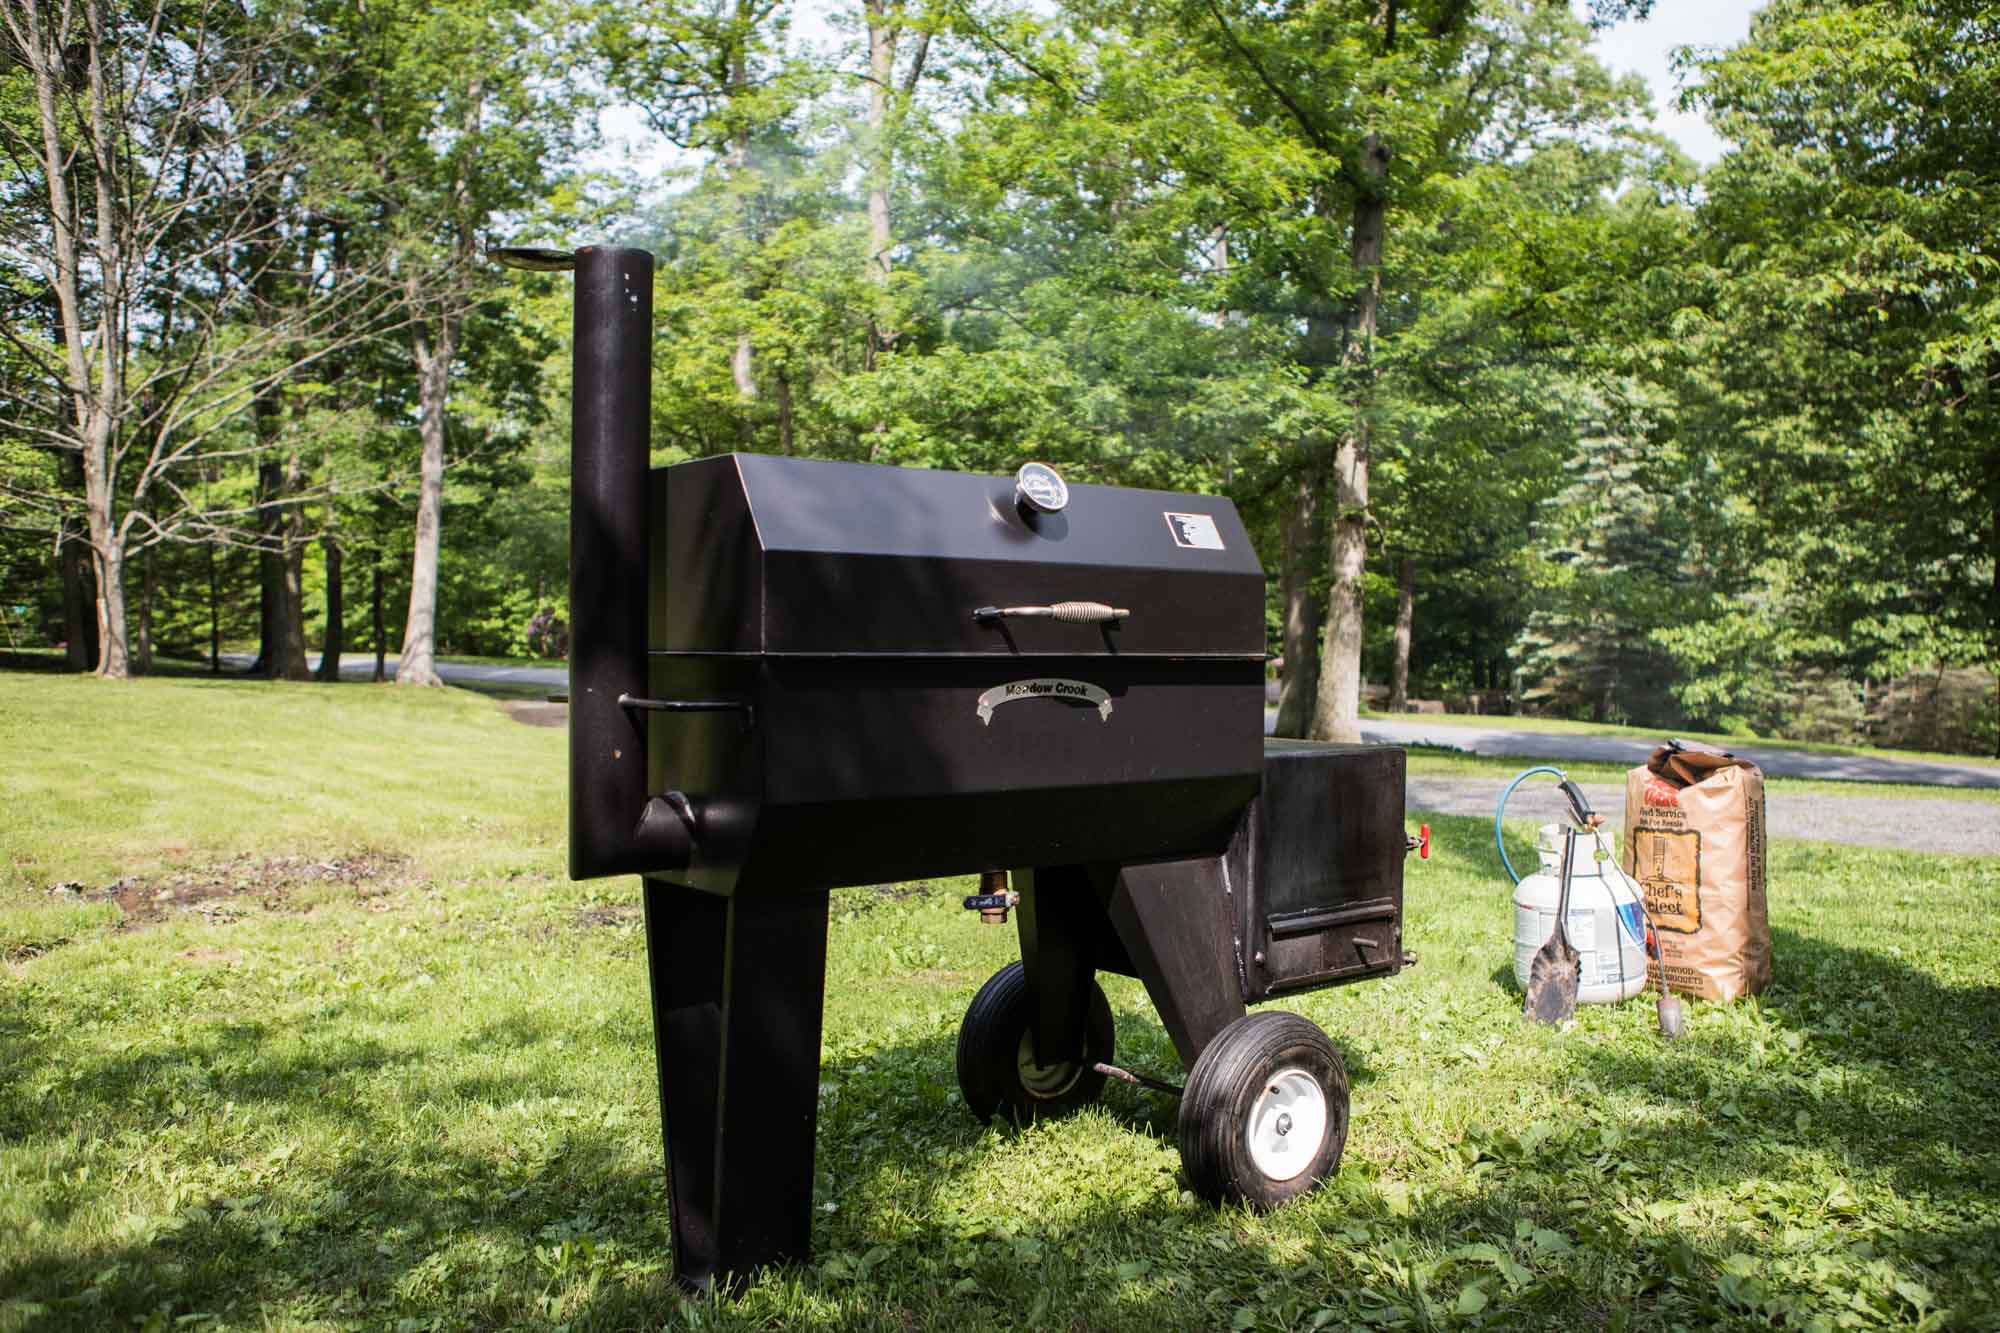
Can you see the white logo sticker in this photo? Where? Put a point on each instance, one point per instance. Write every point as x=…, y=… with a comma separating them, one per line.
x=1196, y=530
x=1044, y=687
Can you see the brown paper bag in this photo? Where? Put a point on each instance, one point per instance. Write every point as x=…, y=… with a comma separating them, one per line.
x=1694, y=840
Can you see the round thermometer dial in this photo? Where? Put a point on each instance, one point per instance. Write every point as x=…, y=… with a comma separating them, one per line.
x=1038, y=486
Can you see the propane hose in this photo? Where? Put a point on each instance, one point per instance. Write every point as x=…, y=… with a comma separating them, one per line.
x=1498, y=841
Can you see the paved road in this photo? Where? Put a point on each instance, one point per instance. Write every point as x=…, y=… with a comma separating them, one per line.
x=361, y=666
x=1496, y=739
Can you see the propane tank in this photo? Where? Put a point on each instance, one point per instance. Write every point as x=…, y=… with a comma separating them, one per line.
x=1605, y=924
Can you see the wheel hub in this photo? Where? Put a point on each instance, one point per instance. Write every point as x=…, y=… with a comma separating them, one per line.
x=1045, y=1081
x=1287, y=1125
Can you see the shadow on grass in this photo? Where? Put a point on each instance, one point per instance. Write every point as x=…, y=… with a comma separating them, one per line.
x=380, y=1212
x=52, y=663
x=1856, y=1067
x=1905, y=1086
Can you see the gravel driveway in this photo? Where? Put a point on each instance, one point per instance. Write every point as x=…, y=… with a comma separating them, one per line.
x=1905, y=823
x=1851, y=765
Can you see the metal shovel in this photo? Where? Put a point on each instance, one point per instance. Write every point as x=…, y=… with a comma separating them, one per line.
x=1556, y=968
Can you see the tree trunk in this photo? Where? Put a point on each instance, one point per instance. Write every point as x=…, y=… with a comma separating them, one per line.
x=1399, y=667
x=1336, y=716
x=1221, y=271
x=1304, y=531
x=1337, y=710
x=107, y=554
x=79, y=603
x=335, y=638
x=418, y=661
x=214, y=615
x=281, y=652
x=741, y=369
x=291, y=584
x=96, y=402
x=1934, y=730
x=267, y=606
x=381, y=645
x=882, y=36
x=149, y=587
x=740, y=365
x=113, y=660
x=785, y=421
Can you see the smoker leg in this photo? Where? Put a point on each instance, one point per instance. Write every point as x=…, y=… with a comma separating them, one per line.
x=738, y=984
x=1175, y=921
x=1059, y=918
x=684, y=936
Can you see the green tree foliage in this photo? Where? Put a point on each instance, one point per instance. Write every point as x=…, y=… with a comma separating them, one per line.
x=165, y=272
x=1496, y=325
x=1608, y=567
x=1501, y=384
x=1837, y=349
x=449, y=117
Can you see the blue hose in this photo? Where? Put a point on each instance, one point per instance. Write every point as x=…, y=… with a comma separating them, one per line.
x=1497, y=841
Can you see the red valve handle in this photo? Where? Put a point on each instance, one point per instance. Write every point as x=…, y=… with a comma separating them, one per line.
x=1423, y=842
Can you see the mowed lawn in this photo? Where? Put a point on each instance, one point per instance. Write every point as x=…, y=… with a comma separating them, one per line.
x=302, y=1025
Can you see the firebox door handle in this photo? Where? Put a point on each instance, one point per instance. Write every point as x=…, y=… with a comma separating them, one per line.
x=1075, y=613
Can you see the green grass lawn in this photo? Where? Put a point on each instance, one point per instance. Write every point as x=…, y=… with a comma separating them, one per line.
x=349, y=1050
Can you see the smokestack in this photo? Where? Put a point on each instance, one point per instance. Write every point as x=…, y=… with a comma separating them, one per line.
x=615, y=825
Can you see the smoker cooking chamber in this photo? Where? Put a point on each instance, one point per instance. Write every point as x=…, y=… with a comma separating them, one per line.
x=877, y=737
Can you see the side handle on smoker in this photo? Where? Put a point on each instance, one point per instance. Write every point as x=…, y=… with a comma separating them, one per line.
x=1075, y=613
x=633, y=701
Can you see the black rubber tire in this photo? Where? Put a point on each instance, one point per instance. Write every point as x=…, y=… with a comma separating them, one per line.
x=990, y=1055
x=1222, y=1090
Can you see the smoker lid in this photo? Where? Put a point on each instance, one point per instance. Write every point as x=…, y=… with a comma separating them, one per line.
x=767, y=554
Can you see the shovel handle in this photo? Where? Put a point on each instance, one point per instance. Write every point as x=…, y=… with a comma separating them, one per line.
x=1562, y=894
x=1579, y=805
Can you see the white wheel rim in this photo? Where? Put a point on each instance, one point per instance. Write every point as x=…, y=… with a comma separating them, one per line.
x=1287, y=1125
x=1044, y=1081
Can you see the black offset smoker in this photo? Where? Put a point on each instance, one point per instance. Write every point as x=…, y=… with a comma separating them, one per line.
x=788, y=676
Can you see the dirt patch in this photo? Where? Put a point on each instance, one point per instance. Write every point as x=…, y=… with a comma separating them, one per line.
x=537, y=712
x=220, y=892
x=591, y=918
x=227, y=957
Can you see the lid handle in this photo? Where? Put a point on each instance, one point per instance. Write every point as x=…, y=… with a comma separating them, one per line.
x=1076, y=613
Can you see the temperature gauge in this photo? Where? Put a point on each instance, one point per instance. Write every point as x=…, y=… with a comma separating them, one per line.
x=1038, y=486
